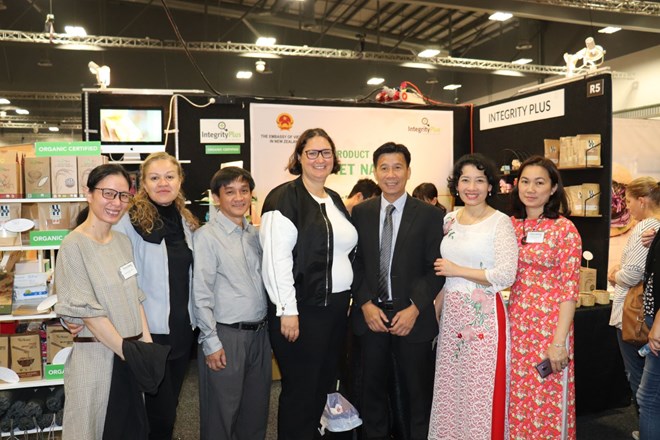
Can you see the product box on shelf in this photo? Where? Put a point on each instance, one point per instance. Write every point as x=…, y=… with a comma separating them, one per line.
x=57, y=216
x=589, y=147
x=591, y=194
x=37, y=177
x=6, y=292
x=587, y=279
x=9, y=211
x=30, y=286
x=11, y=180
x=85, y=165
x=57, y=338
x=25, y=355
x=575, y=199
x=4, y=351
x=551, y=149
x=64, y=176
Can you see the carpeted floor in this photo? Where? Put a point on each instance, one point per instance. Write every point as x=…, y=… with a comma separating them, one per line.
x=609, y=425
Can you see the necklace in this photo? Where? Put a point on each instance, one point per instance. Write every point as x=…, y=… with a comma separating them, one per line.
x=475, y=219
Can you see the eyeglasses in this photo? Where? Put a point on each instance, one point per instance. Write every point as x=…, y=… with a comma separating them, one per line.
x=112, y=194
x=313, y=154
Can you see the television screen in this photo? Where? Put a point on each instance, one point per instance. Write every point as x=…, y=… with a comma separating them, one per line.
x=131, y=126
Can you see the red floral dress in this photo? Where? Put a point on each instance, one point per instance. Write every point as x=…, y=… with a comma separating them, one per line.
x=548, y=274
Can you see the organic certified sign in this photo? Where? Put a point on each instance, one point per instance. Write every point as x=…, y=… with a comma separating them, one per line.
x=82, y=148
x=48, y=238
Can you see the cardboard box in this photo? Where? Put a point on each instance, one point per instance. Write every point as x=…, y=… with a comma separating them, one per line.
x=587, y=279
x=37, y=177
x=4, y=351
x=64, y=176
x=85, y=165
x=11, y=181
x=57, y=338
x=30, y=286
x=6, y=292
x=25, y=355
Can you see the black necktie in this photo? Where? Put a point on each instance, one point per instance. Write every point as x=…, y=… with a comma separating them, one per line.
x=385, y=255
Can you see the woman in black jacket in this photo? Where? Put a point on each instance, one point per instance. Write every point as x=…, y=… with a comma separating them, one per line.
x=307, y=240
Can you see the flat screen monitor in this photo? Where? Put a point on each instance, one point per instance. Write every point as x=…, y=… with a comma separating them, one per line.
x=131, y=130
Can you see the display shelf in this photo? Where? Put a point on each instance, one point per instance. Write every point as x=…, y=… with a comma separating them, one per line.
x=32, y=431
x=139, y=162
x=40, y=316
x=46, y=200
x=31, y=384
x=586, y=216
x=27, y=247
x=595, y=167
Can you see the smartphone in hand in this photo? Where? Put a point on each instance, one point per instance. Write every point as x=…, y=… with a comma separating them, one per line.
x=544, y=368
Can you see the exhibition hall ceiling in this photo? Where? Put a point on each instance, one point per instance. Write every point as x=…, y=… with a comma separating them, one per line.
x=356, y=40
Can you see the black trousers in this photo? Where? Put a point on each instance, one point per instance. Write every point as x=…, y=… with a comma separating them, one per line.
x=161, y=407
x=308, y=365
x=391, y=364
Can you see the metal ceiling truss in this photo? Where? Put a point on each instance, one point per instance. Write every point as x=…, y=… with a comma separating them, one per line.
x=279, y=50
x=620, y=6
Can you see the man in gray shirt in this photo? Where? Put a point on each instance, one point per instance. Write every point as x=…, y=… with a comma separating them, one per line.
x=229, y=302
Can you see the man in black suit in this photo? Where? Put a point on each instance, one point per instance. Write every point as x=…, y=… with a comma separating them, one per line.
x=394, y=287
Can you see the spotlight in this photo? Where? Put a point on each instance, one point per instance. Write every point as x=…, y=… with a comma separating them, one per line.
x=260, y=66
x=49, y=25
x=102, y=74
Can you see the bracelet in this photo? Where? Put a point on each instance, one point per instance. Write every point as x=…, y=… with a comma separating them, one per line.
x=559, y=345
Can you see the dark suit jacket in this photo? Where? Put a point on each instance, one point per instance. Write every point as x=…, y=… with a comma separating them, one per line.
x=412, y=274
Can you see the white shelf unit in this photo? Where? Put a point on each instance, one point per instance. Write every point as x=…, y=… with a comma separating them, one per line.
x=39, y=317
x=19, y=434
x=45, y=200
x=31, y=384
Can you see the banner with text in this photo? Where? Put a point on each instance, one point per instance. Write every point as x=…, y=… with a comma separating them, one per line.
x=534, y=108
x=357, y=132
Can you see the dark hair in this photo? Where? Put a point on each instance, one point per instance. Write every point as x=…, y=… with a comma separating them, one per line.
x=480, y=162
x=427, y=191
x=226, y=176
x=389, y=148
x=294, y=166
x=558, y=202
x=367, y=187
x=102, y=171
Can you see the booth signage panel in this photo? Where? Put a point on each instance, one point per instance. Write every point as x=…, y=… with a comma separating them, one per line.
x=357, y=132
x=81, y=148
x=53, y=372
x=221, y=131
x=533, y=108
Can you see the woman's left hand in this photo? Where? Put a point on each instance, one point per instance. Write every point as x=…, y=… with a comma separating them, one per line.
x=611, y=274
x=445, y=267
x=558, y=357
x=654, y=337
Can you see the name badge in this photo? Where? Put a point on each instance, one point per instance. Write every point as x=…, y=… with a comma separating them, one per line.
x=535, y=237
x=128, y=270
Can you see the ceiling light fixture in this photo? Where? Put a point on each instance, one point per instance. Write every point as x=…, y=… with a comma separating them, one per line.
x=609, y=30
x=506, y=72
x=260, y=66
x=524, y=45
x=4, y=101
x=21, y=111
x=428, y=53
x=375, y=81
x=452, y=86
x=266, y=41
x=522, y=61
x=102, y=74
x=243, y=74
x=500, y=16
x=53, y=129
x=419, y=66
x=75, y=31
